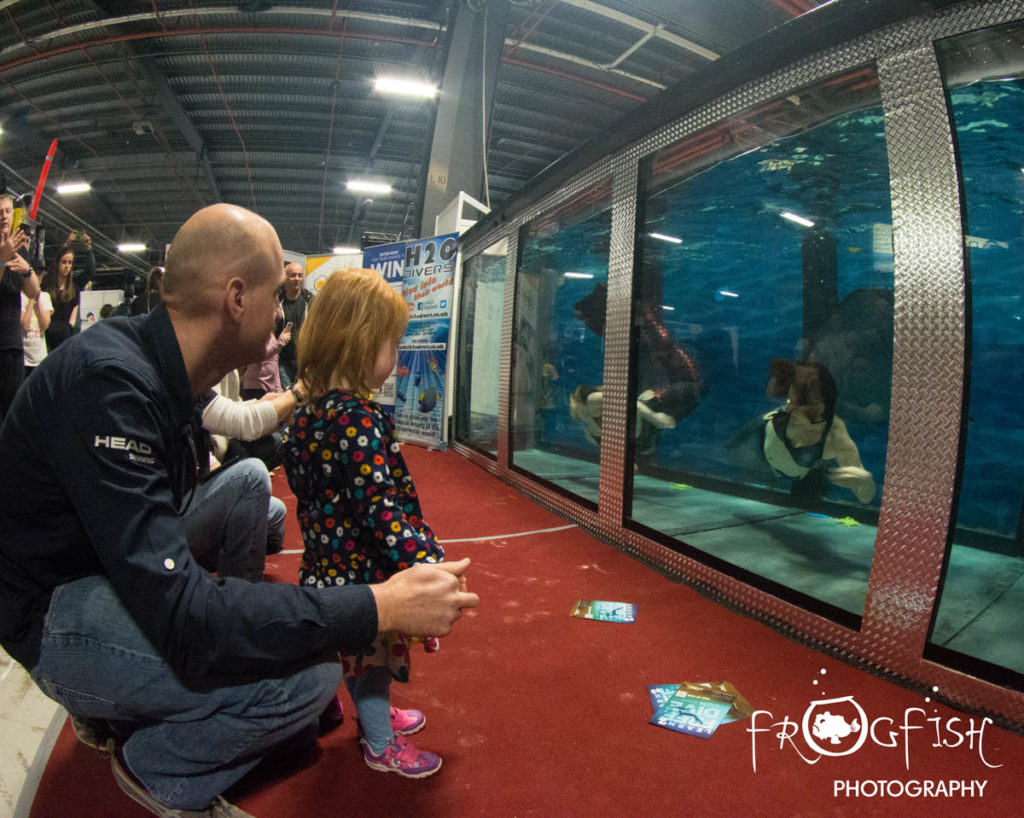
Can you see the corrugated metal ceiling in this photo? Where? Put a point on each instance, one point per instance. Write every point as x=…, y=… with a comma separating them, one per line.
x=164, y=106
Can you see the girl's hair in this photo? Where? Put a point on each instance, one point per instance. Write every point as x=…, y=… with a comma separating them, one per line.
x=349, y=321
x=69, y=290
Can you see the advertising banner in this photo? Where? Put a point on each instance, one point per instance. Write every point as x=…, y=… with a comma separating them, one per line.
x=424, y=269
x=319, y=268
x=388, y=260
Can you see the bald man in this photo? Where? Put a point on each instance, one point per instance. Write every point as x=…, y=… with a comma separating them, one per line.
x=196, y=678
x=294, y=305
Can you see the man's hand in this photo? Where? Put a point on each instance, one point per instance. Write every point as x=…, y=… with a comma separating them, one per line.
x=19, y=265
x=10, y=245
x=424, y=600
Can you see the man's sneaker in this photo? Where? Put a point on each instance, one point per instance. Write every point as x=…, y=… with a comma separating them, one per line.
x=407, y=722
x=219, y=808
x=402, y=758
x=95, y=733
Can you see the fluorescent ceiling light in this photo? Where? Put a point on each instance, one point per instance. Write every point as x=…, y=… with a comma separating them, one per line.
x=74, y=187
x=407, y=88
x=131, y=247
x=367, y=187
x=578, y=275
x=345, y=251
x=663, y=237
x=667, y=307
x=728, y=293
x=798, y=219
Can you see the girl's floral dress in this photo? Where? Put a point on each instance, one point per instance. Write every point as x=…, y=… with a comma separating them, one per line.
x=357, y=507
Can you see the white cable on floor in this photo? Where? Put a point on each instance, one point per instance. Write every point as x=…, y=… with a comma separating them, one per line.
x=479, y=539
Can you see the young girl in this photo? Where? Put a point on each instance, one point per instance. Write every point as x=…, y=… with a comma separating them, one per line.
x=35, y=318
x=63, y=287
x=357, y=506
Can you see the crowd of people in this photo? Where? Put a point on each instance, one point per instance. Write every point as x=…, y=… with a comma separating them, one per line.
x=132, y=593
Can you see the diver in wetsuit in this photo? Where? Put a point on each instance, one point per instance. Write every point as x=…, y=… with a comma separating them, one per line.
x=680, y=390
x=805, y=434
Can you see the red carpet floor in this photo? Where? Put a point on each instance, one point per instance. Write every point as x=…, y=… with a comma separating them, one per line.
x=537, y=713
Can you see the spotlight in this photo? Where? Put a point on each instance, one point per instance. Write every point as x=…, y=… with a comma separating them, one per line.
x=798, y=219
x=363, y=186
x=74, y=187
x=405, y=88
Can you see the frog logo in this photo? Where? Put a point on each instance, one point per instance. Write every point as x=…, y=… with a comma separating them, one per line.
x=834, y=722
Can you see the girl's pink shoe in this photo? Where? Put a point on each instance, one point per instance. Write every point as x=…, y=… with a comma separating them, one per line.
x=402, y=758
x=407, y=722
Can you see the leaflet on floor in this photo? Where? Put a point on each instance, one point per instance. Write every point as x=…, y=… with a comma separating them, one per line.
x=694, y=710
x=604, y=611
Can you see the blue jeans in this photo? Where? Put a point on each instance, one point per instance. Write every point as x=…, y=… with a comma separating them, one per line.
x=286, y=371
x=192, y=738
x=233, y=522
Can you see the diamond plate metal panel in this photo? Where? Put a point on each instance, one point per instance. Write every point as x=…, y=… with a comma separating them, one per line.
x=505, y=367
x=616, y=339
x=928, y=359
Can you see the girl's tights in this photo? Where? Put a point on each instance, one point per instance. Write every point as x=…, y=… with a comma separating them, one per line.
x=370, y=692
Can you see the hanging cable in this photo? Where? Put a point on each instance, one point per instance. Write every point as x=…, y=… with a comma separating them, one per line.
x=483, y=109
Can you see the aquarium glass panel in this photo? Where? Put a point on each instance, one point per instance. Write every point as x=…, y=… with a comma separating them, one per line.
x=763, y=341
x=981, y=608
x=481, y=307
x=561, y=273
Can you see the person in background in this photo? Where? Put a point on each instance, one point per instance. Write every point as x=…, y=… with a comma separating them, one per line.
x=145, y=301
x=294, y=304
x=263, y=377
x=85, y=260
x=223, y=520
x=35, y=318
x=125, y=307
x=64, y=285
x=188, y=681
x=16, y=279
x=357, y=505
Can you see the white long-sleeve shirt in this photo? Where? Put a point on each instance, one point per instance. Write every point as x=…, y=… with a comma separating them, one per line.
x=240, y=420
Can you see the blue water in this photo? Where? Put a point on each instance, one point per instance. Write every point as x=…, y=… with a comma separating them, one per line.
x=736, y=285
x=733, y=296
x=989, y=119
x=732, y=291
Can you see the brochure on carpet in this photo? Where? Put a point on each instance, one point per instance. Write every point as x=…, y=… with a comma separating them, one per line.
x=604, y=611
x=697, y=708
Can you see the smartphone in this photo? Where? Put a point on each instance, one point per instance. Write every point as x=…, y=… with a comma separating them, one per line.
x=79, y=235
x=288, y=327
